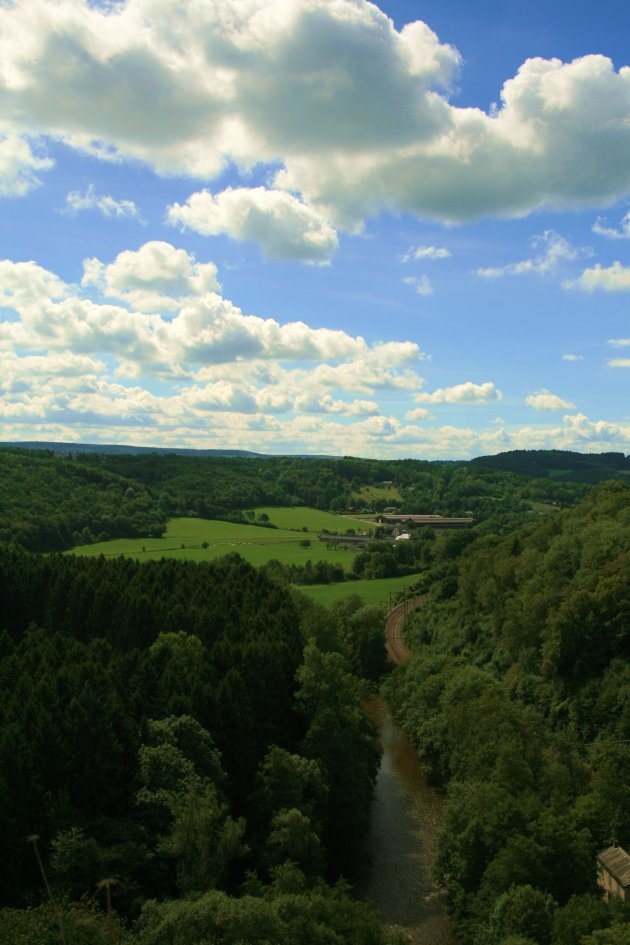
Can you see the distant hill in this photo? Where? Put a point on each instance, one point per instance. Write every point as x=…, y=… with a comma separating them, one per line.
x=115, y=448
x=111, y=449
x=562, y=465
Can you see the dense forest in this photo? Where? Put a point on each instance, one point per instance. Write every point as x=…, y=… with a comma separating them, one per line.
x=517, y=700
x=53, y=501
x=193, y=731
x=561, y=465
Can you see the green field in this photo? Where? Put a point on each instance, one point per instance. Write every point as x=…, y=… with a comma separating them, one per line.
x=303, y=518
x=369, y=494
x=376, y=593
x=184, y=538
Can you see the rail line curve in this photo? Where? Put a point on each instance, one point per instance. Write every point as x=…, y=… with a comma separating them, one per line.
x=397, y=650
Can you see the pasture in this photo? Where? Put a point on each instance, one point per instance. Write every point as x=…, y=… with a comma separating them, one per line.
x=303, y=518
x=376, y=593
x=370, y=494
x=185, y=538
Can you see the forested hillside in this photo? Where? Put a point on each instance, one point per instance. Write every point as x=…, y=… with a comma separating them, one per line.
x=50, y=501
x=517, y=699
x=193, y=731
x=561, y=465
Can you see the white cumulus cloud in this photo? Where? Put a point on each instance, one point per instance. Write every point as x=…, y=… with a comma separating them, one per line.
x=419, y=413
x=283, y=226
x=155, y=276
x=466, y=393
x=544, y=400
x=615, y=278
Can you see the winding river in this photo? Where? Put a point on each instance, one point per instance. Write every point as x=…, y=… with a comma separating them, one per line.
x=406, y=815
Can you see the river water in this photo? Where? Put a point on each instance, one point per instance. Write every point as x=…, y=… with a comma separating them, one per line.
x=406, y=816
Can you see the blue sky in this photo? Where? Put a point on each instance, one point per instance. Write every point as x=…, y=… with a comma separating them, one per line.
x=316, y=226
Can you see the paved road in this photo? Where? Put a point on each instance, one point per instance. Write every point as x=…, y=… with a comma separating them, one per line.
x=396, y=648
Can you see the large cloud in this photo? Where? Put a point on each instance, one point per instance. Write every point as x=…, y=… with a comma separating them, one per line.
x=349, y=106
x=560, y=139
x=188, y=87
x=282, y=225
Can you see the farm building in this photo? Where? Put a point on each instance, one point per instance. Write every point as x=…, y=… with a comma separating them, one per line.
x=434, y=521
x=613, y=873
x=357, y=541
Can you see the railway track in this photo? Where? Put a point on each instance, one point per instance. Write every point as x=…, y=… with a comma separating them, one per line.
x=397, y=650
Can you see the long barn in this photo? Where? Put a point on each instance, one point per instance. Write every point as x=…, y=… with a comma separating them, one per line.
x=434, y=521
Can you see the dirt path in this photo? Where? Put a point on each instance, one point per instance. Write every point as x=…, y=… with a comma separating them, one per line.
x=396, y=648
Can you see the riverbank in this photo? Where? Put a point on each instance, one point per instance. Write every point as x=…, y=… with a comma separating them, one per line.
x=401, y=844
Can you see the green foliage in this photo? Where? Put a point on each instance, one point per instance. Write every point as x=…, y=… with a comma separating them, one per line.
x=517, y=701
x=292, y=838
x=83, y=924
x=165, y=738
x=363, y=632
x=49, y=503
x=344, y=745
x=522, y=911
x=581, y=916
x=288, y=781
x=202, y=839
x=559, y=464
x=323, y=916
x=618, y=934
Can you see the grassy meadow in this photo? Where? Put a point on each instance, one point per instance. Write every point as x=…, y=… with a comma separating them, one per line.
x=370, y=494
x=185, y=537
x=376, y=593
x=303, y=518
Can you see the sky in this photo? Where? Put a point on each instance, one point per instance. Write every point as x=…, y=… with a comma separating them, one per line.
x=316, y=226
